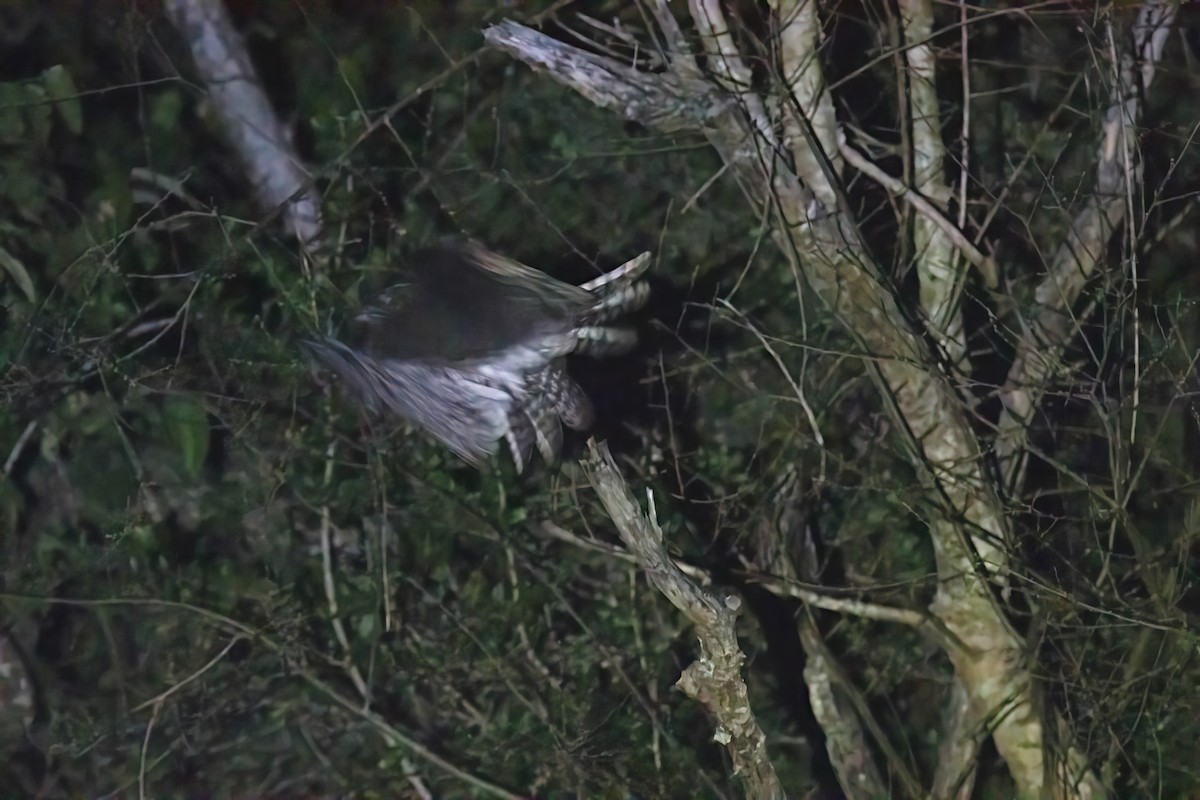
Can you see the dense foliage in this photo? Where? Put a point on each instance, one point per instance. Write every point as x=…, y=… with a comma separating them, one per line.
x=207, y=558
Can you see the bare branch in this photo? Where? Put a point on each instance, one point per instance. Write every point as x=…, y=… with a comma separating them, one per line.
x=938, y=265
x=958, y=752
x=985, y=264
x=835, y=703
x=679, y=99
x=729, y=68
x=1118, y=171
x=669, y=101
x=254, y=131
x=715, y=677
x=811, y=104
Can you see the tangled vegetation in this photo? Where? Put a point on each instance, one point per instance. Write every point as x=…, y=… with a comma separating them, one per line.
x=218, y=579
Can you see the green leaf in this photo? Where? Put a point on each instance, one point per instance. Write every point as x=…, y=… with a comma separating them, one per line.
x=12, y=504
x=97, y=415
x=61, y=90
x=18, y=273
x=12, y=121
x=38, y=113
x=187, y=425
x=165, y=109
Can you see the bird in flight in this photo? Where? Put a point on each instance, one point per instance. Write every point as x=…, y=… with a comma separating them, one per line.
x=471, y=346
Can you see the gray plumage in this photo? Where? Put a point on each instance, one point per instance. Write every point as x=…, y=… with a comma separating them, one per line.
x=472, y=347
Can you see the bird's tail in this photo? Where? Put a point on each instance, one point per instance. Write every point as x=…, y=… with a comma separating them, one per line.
x=619, y=292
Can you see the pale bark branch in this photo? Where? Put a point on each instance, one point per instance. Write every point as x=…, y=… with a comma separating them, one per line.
x=775, y=538
x=726, y=64
x=924, y=207
x=254, y=131
x=679, y=99
x=844, y=605
x=715, y=678
x=939, y=268
x=954, y=776
x=669, y=101
x=810, y=101
x=772, y=581
x=941, y=274
x=1052, y=326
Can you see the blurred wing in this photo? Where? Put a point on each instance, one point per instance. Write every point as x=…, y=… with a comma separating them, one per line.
x=463, y=304
x=472, y=349
x=464, y=410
